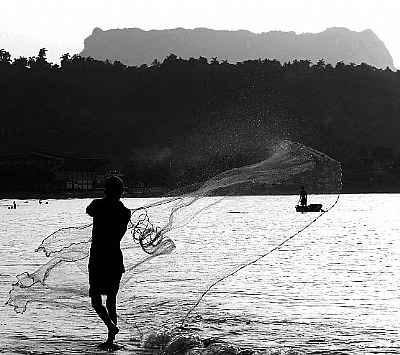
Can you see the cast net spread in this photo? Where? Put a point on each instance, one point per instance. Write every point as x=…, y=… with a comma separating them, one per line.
x=184, y=251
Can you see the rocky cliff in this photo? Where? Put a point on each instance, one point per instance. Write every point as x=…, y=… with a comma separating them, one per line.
x=133, y=46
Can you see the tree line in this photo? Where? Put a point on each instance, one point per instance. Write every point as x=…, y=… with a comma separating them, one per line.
x=175, y=121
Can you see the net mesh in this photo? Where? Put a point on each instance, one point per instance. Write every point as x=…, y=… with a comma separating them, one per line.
x=192, y=245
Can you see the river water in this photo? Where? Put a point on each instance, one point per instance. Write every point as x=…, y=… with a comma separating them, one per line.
x=332, y=289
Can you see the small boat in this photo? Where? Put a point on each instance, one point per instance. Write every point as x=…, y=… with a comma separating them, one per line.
x=316, y=207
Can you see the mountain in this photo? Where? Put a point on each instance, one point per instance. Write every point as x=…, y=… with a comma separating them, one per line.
x=134, y=47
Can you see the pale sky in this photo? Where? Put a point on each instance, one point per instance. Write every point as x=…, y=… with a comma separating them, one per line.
x=61, y=26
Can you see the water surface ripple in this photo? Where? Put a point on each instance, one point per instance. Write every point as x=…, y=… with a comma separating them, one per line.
x=333, y=289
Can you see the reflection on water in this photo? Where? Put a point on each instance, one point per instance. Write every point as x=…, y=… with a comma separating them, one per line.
x=331, y=289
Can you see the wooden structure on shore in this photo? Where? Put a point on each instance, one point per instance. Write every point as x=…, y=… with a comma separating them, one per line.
x=48, y=171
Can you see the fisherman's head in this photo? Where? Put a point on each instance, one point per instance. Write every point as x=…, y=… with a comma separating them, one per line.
x=113, y=187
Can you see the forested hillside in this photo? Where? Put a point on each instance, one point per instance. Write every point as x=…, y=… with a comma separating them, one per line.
x=179, y=120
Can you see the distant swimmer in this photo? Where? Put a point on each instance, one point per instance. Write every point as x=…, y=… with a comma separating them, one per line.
x=110, y=221
x=303, y=197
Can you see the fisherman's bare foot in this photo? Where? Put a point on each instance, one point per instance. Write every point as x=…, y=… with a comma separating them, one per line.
x=106, y=345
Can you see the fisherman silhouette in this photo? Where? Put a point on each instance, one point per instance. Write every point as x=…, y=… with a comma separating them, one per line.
x=110, y=220
x=303, y=197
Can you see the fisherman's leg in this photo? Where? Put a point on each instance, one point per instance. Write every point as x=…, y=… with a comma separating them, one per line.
x=102, y=311
x=111, y=305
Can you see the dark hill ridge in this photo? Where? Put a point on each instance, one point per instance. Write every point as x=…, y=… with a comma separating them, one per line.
x=133, y=46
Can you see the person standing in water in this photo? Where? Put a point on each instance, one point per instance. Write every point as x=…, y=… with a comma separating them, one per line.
x=303, y=197
x=106, y=266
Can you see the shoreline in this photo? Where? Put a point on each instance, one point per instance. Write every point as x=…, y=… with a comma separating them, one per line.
x=53, y=195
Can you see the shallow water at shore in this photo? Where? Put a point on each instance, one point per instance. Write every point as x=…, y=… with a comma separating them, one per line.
x=332, y=290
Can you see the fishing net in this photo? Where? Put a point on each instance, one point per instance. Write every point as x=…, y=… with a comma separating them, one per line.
x=184, y=252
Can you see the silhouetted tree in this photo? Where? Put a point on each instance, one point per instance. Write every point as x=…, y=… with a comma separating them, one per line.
x=5, y=57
